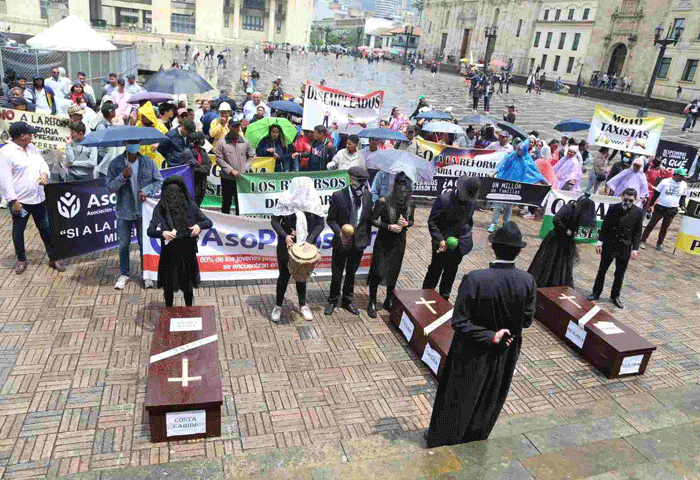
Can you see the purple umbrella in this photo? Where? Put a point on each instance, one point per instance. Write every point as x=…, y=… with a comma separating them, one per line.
x=153, y=97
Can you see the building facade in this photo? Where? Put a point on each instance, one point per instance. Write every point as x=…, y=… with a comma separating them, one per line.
x=221, y=21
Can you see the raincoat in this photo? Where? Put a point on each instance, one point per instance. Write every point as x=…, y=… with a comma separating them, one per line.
x=150, y=150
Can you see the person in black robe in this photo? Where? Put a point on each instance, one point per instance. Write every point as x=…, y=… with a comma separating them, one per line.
x=392, y=216
x=493, y=307
x=177, y=221
x=553, y=264
x=301, y=199
x=451, y=216
x=197, y=158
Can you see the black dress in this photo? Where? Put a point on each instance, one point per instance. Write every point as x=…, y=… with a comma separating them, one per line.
x=389, y=247
x=553, y=264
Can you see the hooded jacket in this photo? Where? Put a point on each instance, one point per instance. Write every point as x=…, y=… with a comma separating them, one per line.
x=150, y=151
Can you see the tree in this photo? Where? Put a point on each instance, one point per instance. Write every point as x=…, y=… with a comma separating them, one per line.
x=419, y=5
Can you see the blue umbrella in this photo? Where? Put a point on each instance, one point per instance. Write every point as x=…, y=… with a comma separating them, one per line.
x=434, y=115
x=287, y=106
x=572, y=125
x=383, y=134
x=116, y=136
x=153, y=97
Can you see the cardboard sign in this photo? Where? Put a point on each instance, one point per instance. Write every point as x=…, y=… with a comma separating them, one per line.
x=631, y=364
x=193, y=324
x=431, y=358
x=576, y=334
x=186, y=423
x=406, y=327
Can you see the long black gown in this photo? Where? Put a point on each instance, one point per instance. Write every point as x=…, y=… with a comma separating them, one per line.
x=389, y=247
x=553, y=264
x=477, y=374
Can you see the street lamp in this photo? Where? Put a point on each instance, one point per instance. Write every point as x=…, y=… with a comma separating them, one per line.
x=328, y=30
x=408, y=30
x=672, y=37
x=359, y=32
x=490, y=33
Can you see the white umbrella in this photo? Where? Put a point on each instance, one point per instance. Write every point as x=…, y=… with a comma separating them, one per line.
x=443, y=127
x=415, y=167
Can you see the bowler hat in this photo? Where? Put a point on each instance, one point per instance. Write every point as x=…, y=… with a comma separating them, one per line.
x=509, y=234
x=359, y=173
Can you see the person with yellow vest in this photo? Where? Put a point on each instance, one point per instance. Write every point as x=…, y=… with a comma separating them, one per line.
x=219, y=126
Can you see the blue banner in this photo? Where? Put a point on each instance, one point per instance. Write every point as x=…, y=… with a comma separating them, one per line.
x=82, y=214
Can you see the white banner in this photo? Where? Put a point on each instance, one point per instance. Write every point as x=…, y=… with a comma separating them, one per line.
x=52, y=130
x=639, y=135
x=338, y=110
x=239, y=248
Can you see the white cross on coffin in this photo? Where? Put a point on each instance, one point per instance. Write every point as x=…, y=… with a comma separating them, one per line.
x=570, y=298
x=427, y=303
x=185, y=378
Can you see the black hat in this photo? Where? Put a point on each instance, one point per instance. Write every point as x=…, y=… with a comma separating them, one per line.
x=234, y=123
x=131, y=77
x=18, y=129
x=468, y=188
x=509, y=234
x=108, y=108
x=359, y=173
x=121, y=82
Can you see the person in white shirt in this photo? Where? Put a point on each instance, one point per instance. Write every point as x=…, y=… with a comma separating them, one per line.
x=251, y=106
x=23, y=174
x=347, y=157
x=468, y=141
x=131, y=86
x=502, y=145
x=669, y=194
x=87, y=88
x=55, y=83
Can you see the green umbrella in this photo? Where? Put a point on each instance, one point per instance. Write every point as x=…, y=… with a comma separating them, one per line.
x=259, y=129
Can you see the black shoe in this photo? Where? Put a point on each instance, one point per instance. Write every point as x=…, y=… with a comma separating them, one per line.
x=372, y=310
x=616, y=301
x=389, y=304
x=592, y=297
x=329, y=309
x=350, y=308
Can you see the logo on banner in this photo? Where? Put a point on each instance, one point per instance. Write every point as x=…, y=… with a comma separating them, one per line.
x=68, y=205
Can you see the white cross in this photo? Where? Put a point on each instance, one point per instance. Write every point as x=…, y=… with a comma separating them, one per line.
x=427, y=303
x=185, y=379
x=570, y=298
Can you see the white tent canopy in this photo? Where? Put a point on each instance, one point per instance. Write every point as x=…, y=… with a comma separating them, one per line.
x=71, y=35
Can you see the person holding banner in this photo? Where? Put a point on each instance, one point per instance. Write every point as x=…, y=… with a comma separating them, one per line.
x=298, y=219
x=669, y=194
x=451, y=216
x=233, y=154
x=177, y=222
x=351, y=206
x=392, y=216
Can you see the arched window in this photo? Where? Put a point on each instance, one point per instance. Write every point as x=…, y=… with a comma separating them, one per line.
x=447, y=17
x=495, y=16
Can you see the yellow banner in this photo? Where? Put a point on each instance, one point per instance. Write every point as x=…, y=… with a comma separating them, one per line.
x=689, y=232
x=259, y=165
x=639, y=135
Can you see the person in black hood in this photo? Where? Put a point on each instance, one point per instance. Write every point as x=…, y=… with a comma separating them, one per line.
x=451, y=216
x=196, y=157
x=177, y=221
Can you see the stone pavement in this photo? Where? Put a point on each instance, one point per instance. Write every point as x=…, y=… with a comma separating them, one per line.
x=342, y=396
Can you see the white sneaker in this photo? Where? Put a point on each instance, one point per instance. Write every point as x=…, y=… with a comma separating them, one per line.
x=306, y=313
x=529, y=216
x=121, y=282
x=276, y=314
x=149, y=284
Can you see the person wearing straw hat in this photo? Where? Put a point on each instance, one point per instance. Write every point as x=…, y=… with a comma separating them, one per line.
x=669, y=194
x=493, y=307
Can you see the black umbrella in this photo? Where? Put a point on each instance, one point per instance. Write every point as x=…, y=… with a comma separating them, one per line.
x=177, y=82
x=512, y=128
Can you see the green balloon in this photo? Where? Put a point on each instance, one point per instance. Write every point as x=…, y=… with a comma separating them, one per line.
x=452, y=243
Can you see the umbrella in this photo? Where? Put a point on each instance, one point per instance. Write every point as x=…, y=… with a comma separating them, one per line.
x=176, y=82
x=479, y=119
x=153, y=97
x=383, y=134
x=513, y=129
x=443, y=127
x=434, y=115
x=415, y=167
x=572, y=125
x=117, y=135
x=257, y=130
x=286, y=106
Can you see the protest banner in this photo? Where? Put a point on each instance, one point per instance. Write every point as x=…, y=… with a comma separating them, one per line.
x=556, y=199
x=338, y=110
x=639, y=135
x=82, y=215
x=693, y=189
x=212, y=199
x=52, y=130
x=258, y=192
x=506, y=191
x=240, y=248
x=688, y=238
x=676, y=155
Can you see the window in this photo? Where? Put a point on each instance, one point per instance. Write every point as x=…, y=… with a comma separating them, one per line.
x=252, y=22
x=689, y=71
x=520, y=25
x=577, y=38
x=128, y=16
x=562, y=39
x=570, y=65
x=537, y=39
x=571, y=14
x=46, y=4
x=447, y=17
x=678, y=22
x=549, y=40
x=557, y=14
x=430, y=26
x=147, y=19
x=544, y=61
x=664, y=67
x=279, y=26
x=182, y=23
x=586, y=13
x=546, y=14
x=556, y=62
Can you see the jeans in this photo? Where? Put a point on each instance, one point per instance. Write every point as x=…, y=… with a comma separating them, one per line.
x=487, y=101
x=253, y=83
x=579, y=90
x=283, y=279
x=348, y=261
x=690, y=121
x=124, y=228
x=593, y=183
x=19, y=224
x=229, y=189
x=498, y=208
x=606, y=259
x=476, y=103
x=443, y=264
x=288, y=164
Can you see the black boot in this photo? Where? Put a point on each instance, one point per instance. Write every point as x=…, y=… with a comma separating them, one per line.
x=372, y=310
x=389, y=303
